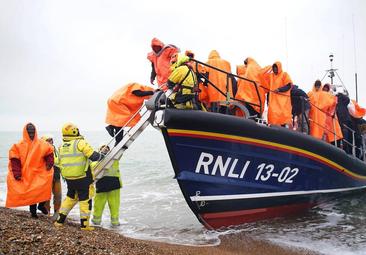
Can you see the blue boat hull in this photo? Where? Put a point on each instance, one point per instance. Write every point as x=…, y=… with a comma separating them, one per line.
x=233, y=171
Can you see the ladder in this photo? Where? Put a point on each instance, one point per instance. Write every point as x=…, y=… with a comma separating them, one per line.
x=146, y=112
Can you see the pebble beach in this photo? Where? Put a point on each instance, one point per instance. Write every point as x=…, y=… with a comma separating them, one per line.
x=21, y=234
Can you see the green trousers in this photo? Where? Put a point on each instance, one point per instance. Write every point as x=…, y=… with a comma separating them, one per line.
x=100, y=199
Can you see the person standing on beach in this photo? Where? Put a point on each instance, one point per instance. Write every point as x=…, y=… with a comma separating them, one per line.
x=75, y=154
x=56, y=183
x=29, y=180
x=108, y=190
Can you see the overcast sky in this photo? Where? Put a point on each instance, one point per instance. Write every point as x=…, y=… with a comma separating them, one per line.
x=61, y=60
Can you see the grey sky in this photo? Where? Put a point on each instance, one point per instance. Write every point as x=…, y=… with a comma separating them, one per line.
x=61, y=60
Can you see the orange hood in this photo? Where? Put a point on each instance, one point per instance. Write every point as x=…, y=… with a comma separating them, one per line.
x=213, y=54
x=26, y=137
x=251, y=61
x=279, y=66
x=156, y=42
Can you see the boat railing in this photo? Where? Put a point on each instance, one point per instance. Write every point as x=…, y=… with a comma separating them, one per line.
x=357, y=152
x=229, y=77
x=202, y=76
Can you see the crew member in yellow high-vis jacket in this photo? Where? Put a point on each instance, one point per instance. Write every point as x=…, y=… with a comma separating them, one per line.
x=108, y=190
x=75, y=154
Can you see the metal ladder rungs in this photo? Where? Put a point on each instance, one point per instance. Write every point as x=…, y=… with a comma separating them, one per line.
x=128, y=138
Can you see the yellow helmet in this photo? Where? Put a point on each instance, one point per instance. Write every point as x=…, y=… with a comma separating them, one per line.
x=70, y=129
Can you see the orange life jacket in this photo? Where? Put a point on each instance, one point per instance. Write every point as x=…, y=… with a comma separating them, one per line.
x=219, y=79
x=161, y=60
x=122, y=105
x=246, y=89
x=320, y=103
x=36, y=181
x=279, y=106
x=333, y=130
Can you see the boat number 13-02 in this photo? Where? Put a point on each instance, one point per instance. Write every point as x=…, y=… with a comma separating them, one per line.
x=266, y=171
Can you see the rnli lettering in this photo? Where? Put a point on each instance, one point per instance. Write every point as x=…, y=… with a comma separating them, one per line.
x=221, y=166
x=232, y=167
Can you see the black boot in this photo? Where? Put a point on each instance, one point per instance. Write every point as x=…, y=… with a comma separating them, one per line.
x=42, y=208
x=33, y=211
x=60, y=221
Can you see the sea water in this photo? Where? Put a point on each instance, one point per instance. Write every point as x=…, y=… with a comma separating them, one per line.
x=153, y=207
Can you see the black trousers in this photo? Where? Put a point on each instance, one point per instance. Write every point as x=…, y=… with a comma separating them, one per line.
x=33, y=208
x=113, y=131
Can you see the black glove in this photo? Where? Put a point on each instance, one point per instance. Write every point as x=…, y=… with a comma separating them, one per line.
x=141, y=93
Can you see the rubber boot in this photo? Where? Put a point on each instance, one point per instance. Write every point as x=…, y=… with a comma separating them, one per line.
x=60, y=221
x=42, y=208
x=96, y=221
x=33, y=211
x=115, y=222
x=84, y=224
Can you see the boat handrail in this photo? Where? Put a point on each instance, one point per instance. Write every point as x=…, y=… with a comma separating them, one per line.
x=334, y=118
x=228, y=77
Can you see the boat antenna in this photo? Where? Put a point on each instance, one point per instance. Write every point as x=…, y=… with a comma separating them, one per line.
x=286, y=46
x=354, y=54
x=331, y=70
x=331, y=73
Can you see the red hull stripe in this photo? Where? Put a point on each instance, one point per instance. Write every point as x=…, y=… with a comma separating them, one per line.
x=265, y=144
x=225, y=219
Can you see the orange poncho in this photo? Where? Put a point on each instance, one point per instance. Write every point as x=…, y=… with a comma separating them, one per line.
x=320, y=102
x=123, y=104
x=332, y=124
x=36, y=181
x=246, y=89
x=219, y=79
x=161, y=60
x=279, y=106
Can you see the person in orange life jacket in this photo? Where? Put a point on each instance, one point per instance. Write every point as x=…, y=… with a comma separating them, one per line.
x=279, y=102
x=122, y=105
x=222, y=82
x=49, y=163
x=333, y=130
x=160, y=61
x=20, y=165
x=253, y=97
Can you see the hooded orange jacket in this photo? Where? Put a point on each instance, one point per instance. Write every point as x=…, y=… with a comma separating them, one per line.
x=246, y=90
x=36, y=181
x=161, y=60
x=319, y=104
x=123, y=104
x=219, y=79
x=279, y=106
x=332, y=124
